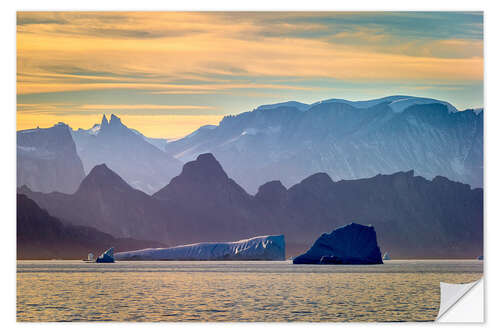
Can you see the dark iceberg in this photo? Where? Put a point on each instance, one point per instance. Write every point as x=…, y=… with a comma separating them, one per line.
x=107, y=257
x=352, y=244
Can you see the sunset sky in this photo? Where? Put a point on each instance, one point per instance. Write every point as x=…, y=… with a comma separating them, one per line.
x=167, y=73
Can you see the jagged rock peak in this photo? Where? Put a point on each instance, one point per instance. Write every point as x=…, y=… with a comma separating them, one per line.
x=101, y=176
x=207, y=157
x=319, y=178
x=271, y=191
x=114, y=120
x=61, y=124
x=100, y=169
x=204, y=167
x=104, y=121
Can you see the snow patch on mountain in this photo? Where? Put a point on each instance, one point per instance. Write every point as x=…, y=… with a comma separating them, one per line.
x=27, y=149
x=402, y=104
x=294, y=104
x=396, y=103
x=250, y=131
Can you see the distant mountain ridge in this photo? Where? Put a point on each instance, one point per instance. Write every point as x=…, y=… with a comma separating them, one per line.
x=414, y=217
x=94, y=130
x=345, y=139
x=138, y=159
x=397, y=103
x=286, y=141
x=47, y=160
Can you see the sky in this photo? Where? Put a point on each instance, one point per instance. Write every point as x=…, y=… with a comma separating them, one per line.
x=168, y=73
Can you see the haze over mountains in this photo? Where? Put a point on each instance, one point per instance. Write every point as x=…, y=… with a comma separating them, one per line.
x=347, y=140
x=292, y=156
x=47, y=160
x=41, y=236
x=414, y=217
x=286, y=141
x=136, y=158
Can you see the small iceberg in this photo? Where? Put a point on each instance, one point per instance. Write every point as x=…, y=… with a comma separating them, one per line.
x=257, y=248
x=352, y=244
x=90, y=257
x=107, y=257
x=386, y=256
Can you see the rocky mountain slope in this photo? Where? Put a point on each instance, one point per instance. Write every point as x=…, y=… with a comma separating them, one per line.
x=47, y=160
x=41, y=236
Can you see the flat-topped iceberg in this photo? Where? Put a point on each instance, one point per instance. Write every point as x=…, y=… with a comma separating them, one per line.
x=352, y=244
x=257, y=248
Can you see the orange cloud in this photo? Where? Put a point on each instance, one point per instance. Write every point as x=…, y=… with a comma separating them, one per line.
x=215, y=46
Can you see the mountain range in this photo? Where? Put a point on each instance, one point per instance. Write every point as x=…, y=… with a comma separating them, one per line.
x=135, y=157
x=287, y=141
x=347, y=140
x=414, y=217
x=295, y=169
x=47, y=160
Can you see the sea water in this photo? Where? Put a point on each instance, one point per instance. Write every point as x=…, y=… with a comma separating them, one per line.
x=399, y=290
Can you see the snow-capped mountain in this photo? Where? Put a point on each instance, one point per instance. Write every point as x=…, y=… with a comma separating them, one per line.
x=47, y=160
x=347, y=140
x=138, y=160
x=396, y=103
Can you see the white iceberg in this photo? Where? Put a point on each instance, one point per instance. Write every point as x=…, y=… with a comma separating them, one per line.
x=257, y=248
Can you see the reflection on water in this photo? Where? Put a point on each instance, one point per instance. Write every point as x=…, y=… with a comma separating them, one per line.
x=399, y=290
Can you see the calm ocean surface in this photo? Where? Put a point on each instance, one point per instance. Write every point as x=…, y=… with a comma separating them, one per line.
x=399, y=290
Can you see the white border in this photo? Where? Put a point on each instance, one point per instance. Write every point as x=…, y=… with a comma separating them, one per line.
x=7, y=141
x=468, y=308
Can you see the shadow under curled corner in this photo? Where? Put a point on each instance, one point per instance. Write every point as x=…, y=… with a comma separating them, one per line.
x=462, y=303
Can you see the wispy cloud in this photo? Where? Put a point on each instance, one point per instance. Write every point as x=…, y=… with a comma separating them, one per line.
x=90, y=109
x=144, y=107
x=340, y=45
x=212, y=59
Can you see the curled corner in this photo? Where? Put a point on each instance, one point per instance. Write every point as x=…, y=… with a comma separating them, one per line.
x=457, y=306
